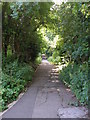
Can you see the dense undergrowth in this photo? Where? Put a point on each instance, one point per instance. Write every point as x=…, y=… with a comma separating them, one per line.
x=15, y=78
x=76, y=77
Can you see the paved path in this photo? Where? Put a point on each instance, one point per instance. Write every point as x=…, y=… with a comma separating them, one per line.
x=44, y=97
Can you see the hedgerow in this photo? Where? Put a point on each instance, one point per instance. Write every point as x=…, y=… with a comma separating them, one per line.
x=15, y=77
x=76, y=77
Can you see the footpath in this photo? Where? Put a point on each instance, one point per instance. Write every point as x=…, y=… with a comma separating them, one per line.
x=47, y=97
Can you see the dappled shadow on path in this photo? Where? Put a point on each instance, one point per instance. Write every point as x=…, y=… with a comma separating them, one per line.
x=53, y=96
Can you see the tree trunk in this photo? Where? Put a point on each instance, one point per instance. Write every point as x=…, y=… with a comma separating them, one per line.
x=5, y=50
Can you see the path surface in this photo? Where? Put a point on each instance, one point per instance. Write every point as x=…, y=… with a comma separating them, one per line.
x=44, y=97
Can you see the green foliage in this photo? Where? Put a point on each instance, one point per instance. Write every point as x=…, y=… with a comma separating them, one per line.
x=50, y=59
x=55, y=60
x=15, y=77
x=56, y=57
x=21, y=23
x=76, y=77
x=38, y=60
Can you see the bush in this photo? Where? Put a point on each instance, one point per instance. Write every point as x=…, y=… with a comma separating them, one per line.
x=79, y=83
x=38, y=60
x=57, y=59
x=25, y=73
x=50, y=59
x=15, y=77
x=76, y=76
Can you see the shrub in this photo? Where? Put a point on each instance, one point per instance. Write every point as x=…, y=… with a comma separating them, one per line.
x=38, y=60
x=50, y=59
x=25, y=73
x=15, y=77
x=76, y=76
x=57, y=59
